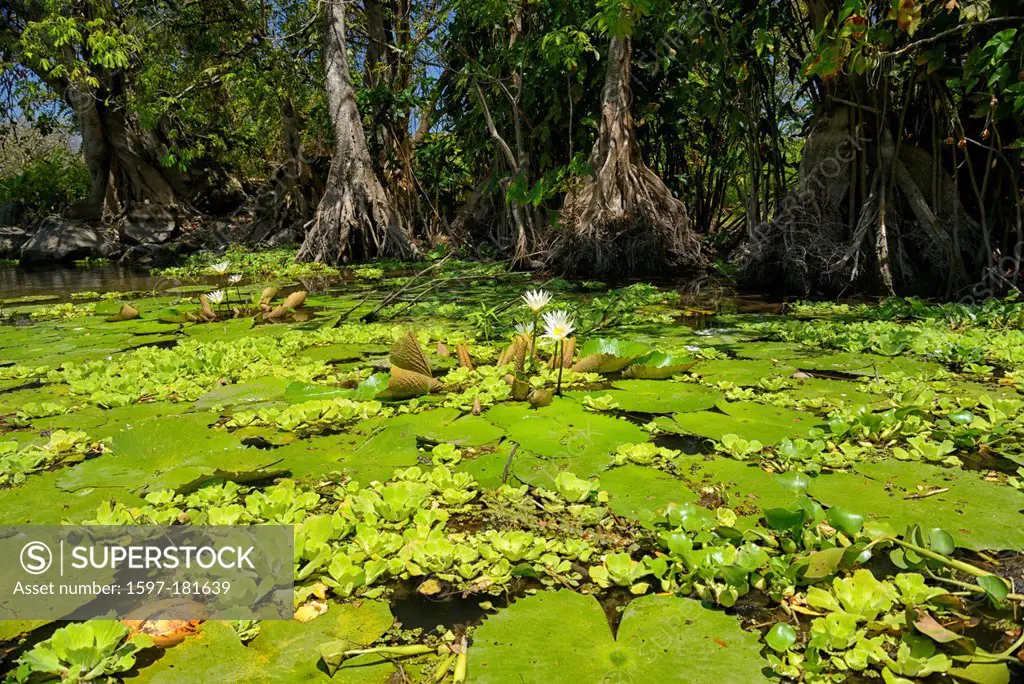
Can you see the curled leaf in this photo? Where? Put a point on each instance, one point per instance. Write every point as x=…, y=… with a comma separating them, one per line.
x=405, y=384
x=407, y=354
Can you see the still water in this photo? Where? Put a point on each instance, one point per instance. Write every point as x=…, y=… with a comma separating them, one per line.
x=16, y=282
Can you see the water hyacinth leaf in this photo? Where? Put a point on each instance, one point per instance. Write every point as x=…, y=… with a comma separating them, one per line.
x=980, y=667
x=780, y=637
x=961, y=417
x=819, y=565
x=930, y=627
x=607, y=355
x=784, y=518
x=996, y=588
x=658, y=365
x=407, y=354
x=794, y=480
x=941, y=541
x=845, y=521
x=564, y=637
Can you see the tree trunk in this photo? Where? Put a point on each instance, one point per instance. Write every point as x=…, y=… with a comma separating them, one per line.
x=293, y=191
x=118, y=158
x=623, y=219
x=96, y=152
x=355, y=218
x=867, y=213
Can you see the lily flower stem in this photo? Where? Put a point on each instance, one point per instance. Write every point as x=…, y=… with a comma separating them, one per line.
x=560, y=351
x=398, y=651
x=533, y=342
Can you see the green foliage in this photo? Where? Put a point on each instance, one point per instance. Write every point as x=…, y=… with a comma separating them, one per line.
x=48, y=184
x=90, y=651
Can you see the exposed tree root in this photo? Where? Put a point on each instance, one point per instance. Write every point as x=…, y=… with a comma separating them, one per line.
x=355, y=218
x=852, y=222
x=623, y=219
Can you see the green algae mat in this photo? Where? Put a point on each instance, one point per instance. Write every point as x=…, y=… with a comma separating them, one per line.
x=495, y=480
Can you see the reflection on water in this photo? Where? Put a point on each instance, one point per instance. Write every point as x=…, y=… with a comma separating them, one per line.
x=17, y=282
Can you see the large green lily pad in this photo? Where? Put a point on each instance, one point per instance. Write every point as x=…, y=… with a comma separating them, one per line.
x=657, y=396
x=284, y=651
x=565, y=431
x=450, y=425
x=636, y=488
x=837, y=391
x=750, y=420
x=870, y=364
x=564, y=637
x=739, y=371
x=39, y=501
x=248, y=395
x=166, y=453
x=979, y=514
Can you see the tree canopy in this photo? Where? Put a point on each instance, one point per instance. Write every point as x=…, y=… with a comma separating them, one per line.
x=807, y=145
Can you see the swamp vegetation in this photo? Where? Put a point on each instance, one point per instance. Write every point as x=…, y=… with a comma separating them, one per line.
x=450, y=287
x=643, y=490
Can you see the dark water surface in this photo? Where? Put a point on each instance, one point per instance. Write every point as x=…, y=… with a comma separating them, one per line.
x=16, y=282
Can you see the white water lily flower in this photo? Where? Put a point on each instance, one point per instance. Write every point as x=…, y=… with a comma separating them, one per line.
x=558, y=325
x=525, y=329
x=537, y=300
x=216, y=297
x=234, y=279
x=221, y=268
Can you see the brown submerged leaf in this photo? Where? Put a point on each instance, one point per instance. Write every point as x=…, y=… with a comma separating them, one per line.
x=405, y=384
x=463, y=353
x=126, y=313
x=407, y=354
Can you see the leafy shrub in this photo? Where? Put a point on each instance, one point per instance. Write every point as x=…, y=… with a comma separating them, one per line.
x=47, y=184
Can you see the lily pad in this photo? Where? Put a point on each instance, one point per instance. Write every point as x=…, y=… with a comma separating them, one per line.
x=167, y=452
x=837, y=391
x=979, y=514
x=564, y=637
x=250, y=395
x=740, y=372
x=747, y=488
x=581, y=440
x=658, y=365
x=39, y=501
x=870, y=364
x=750, y=420
x=284, y=651
x=653, y=396
x=605, y=355
x=449, y=425
x=637, y=488
x=338, y=353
